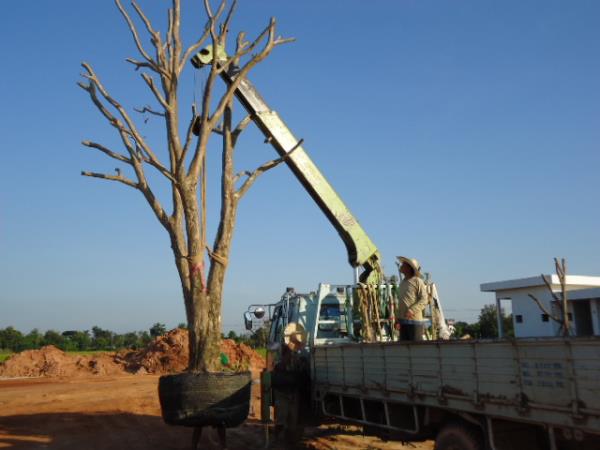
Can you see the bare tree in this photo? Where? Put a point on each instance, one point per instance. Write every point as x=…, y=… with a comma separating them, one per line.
x=561, y=303
x=201, y=267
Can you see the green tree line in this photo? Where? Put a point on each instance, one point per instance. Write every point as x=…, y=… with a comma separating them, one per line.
x=255, y=340
x=76, y=340
x=99, y=339
x=486, y=325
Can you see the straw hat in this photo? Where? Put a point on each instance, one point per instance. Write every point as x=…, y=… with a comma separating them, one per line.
x=294, y=336
x=412, y=262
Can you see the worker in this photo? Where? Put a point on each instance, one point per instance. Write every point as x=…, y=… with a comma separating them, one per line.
x=412, y=299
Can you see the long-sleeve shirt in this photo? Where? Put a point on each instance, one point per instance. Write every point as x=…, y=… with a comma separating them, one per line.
x=412, y=296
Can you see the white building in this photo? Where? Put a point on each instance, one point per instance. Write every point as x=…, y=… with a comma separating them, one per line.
x=583, y=303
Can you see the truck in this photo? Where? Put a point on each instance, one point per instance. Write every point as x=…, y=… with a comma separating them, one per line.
x=528, y=393
x=496, y=394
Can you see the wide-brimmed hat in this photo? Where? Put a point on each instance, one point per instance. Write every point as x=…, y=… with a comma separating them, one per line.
x=294, y=336
x=412, y=262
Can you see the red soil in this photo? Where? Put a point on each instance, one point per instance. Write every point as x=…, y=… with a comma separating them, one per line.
x=94, y=402
x=165, y=354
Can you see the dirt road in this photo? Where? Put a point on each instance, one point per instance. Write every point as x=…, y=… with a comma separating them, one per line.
x=122, y=412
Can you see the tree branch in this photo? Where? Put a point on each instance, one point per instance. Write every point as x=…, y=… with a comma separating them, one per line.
x=151, y=63
x=235, y=134
x=188, y=140
x=216, y=257
x=239, y=175
x=107, y=151
x=139, y=64
x=547, y=283
x=225, y=26
x=150, y=82
x=126, y=131
x=149, y=110
x=157, y=208
x=131, y=129
x=196, y=45
x=252, y=176
x=271, y=43
x=212, y=19
x=544, y=310
x=564, y=321
x=120, y=178
x=205, y=126
x=91, y=90
x=171, y=38
x=163, y=170
x=161, y=63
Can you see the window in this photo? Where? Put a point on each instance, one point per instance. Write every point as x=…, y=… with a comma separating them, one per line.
x=519, y=318
x=332, y=319
x=276, y=326
x=545, y=318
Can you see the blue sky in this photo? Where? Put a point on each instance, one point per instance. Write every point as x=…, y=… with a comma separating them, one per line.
x=463, y=133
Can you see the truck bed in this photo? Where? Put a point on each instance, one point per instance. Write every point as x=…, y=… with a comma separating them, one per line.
x=548, y=381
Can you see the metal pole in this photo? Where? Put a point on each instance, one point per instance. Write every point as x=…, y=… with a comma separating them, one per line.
x=499, y=317
x=265, y=402
x=562, y=276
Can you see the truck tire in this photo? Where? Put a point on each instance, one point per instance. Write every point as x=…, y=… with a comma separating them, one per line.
x=456, y=436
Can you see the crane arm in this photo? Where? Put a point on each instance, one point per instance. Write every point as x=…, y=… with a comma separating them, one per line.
x=361, y=250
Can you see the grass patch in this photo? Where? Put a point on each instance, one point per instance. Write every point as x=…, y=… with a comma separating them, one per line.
x=261, y=351
x=5, y=355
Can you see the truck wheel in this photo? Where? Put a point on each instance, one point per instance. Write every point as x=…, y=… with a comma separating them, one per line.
x=458, y=437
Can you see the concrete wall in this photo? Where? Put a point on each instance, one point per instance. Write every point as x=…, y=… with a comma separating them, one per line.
x=532, y=324
x=581, y=289
x=522, y=304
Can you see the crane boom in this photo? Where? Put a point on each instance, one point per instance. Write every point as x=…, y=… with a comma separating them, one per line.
x=362, y=252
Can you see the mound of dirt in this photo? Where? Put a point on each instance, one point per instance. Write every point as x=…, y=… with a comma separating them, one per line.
x=165, y=354
x=170, y=354
x=240, y=355
x=50, y=361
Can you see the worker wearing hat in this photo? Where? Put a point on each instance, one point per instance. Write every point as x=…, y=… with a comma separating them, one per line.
x=412, y=296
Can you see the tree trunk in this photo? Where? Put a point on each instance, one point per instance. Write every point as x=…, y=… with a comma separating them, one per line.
x=204, y=343
x=203, y=300
x=204, y=311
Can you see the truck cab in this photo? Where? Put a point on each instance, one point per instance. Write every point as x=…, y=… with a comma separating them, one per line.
x=325, y=316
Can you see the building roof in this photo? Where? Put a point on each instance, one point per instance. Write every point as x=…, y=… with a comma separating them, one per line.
x=581, y=294
x=519, y=283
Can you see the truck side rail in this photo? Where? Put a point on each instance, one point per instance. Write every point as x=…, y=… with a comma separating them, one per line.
x=550, y=381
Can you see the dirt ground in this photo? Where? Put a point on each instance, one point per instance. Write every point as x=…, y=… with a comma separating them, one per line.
x=53, y=400
x=122, y=412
